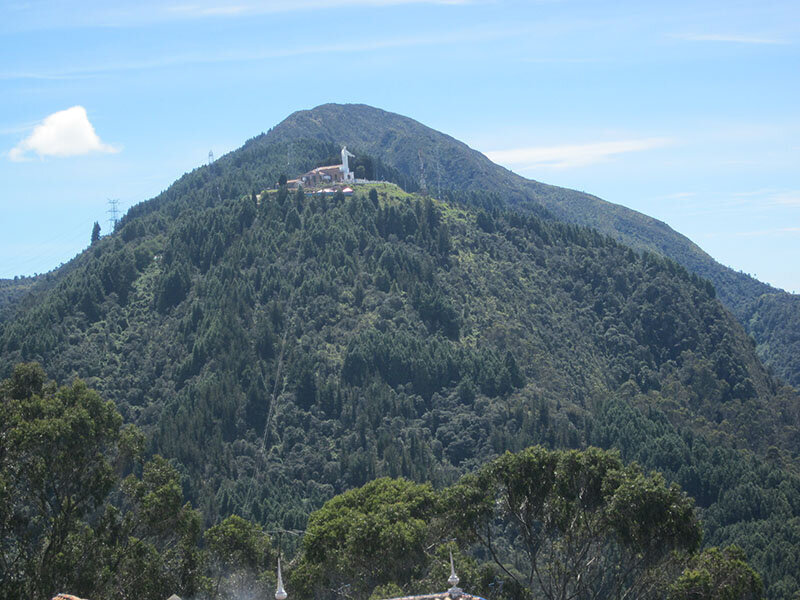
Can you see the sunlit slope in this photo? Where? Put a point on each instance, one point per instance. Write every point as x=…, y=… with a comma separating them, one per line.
x=437, y=162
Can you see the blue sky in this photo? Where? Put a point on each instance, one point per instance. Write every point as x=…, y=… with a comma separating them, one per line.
x=686, y=111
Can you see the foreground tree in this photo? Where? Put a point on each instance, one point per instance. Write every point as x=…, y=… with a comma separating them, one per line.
x=55, y=469
x=62, y=451
x=575, y=525
x=718, y=574
x=371, y=536
x=239, y=553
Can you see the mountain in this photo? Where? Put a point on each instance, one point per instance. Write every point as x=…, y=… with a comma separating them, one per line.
x=438, y=162
x=280, y=349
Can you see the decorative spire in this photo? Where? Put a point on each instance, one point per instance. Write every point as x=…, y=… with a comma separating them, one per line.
x=453, y=592
x=280, y=593
x=453, y=579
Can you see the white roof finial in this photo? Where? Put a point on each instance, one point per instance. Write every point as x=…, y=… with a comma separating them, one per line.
x=280, y=593
x=454, y=592
x=453, y=579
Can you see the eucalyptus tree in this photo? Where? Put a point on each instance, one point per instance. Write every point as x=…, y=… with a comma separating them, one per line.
x=567, y=525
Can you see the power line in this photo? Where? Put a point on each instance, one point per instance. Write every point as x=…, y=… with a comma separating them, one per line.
x=51, y=254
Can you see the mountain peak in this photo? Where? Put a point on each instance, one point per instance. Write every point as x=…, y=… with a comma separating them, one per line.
x=437, y=162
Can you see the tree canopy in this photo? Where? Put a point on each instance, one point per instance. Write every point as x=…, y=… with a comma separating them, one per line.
x=570, y=524
x=717, y=574
x=370, y=536
x=560, y=525
x=62, y=453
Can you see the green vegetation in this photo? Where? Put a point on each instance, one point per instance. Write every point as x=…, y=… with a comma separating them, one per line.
x=368, y=537
x=95, y=232
x=575, y=524
x=279, y=351
x=421, y=154
x=717, y=575
x=774, y=321
x=239, y=556
x=12, y=290
x=82, y=512
x=548, y=524
x=69, y=521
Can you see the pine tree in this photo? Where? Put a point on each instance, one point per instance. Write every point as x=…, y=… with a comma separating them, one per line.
x=95, y=232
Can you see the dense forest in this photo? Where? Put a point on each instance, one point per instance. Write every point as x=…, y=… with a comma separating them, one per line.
x=11, y=290
x=395, y=148
x=84, y=510
x=280, y=349
x=436, y=162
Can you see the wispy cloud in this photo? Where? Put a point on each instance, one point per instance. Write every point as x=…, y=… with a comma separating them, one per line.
x=758, y=202
x=571, y=156
x=63, y=133
x=771, y=197
x=472, y=36
x=547, y=61
x=755, y=233
x=56, y=14
x=729, y=38
x=770, y=231
x=217, y=9
x=17, y=129
x=787, y=198
x=676, y=196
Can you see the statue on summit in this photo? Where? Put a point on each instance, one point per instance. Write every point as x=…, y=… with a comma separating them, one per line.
x=347, y=175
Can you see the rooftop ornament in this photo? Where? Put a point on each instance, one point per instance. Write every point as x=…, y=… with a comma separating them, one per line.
x=280, y=593
x=454, y=592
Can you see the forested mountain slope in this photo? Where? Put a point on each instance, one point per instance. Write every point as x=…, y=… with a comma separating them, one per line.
x=439, y=162
x=281, y=349
x=11, y=290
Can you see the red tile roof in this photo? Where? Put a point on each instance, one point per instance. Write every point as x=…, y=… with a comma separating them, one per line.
x=325, y=169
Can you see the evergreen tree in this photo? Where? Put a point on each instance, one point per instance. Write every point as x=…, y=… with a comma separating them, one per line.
x=95, y=232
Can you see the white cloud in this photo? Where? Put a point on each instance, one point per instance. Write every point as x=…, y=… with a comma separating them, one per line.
x=730, y=38
x=64, y=133
x=571, y=156
x=215, y=9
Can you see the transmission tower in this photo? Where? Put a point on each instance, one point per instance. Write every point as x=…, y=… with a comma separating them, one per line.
x=113, y=213
x=210, y=156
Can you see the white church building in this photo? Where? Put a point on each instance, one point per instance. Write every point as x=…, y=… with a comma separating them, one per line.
x=326, y=175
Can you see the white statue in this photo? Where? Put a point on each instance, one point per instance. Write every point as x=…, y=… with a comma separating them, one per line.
x=346, y=167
